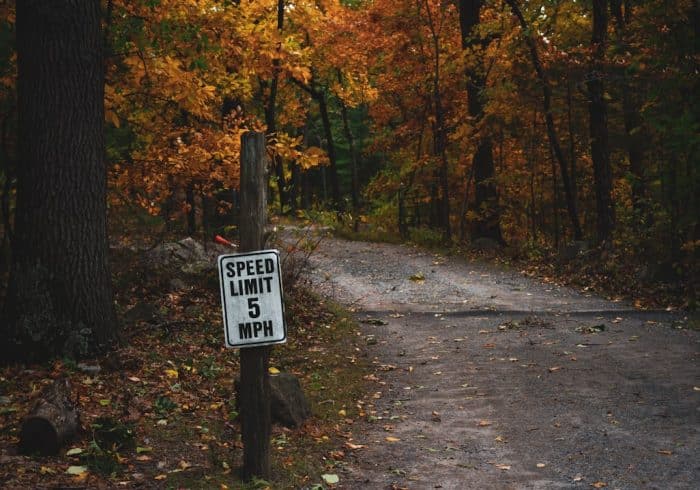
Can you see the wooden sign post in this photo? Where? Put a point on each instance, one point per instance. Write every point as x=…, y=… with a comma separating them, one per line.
x=255, y=382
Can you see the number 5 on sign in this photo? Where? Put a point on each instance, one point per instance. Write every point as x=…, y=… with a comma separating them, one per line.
x=251, y=299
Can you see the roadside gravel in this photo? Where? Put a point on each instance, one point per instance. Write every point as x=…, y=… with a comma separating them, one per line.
x=489, y=379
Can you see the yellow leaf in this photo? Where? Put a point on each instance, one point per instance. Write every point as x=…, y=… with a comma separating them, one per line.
x=160, y=477
x=392, y=439
x=171, y=373
x=273, y=370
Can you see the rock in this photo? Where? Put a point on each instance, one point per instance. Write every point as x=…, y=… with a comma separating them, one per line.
x=198, y=267
x=288, y=404
x=186, y=251
x=484, y=244
x=91, y=369
x=177, y=284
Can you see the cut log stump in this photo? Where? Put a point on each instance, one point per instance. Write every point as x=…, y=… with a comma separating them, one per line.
x=51, y=423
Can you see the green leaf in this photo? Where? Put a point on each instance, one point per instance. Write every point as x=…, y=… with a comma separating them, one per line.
x=330, y=479
x=76, y=470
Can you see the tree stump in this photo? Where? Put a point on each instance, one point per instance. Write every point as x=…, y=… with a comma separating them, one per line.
x=51, y=423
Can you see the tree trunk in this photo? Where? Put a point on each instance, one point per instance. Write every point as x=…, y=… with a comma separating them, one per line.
x=330, y=147
x=597, y=110
x=355, y=185
x=59, y=300
x=636, y=137
x=271, y=112
x=488, y=223
x=549, y=119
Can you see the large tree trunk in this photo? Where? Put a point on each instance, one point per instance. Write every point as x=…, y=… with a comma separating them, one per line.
x=489, y=222
x=597, y=110
x=59, y=299
x=549, y=119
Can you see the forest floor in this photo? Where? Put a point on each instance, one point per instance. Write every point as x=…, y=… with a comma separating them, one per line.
x=447, y=373
x=486, y=378
x=160, y=411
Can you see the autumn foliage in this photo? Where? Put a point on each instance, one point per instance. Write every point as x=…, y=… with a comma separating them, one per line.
x=369, y=108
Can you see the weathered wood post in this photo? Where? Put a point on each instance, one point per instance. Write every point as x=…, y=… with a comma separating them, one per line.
x=255, y=383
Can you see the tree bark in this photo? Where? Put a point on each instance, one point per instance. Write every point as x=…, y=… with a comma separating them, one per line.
x=488, y=224
x=598, y=124
x=636, y=137
x=330, y=147
x=355, y=185
x=271, y=112
x=59, y=300
x=549, y=119
x=255, y=382
x=51, y=423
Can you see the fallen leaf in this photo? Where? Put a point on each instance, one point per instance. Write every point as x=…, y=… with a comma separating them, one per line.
x=665, y=452
x=44, y=470
x=160, y=477
x=417, y=277
x=76, y=470
x=503, y=467
x=273, y=370
x=171, y=373
x=74, y=451
x=540, y=465
x=500, y=439
x=134, y=379
x=350, y=445
x=484, y=423
x=554, y=369
x=599, y=484
x=392, y=439
x=330, y=479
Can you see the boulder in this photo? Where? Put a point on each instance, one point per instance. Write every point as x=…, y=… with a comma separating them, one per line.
x=288, y=404
x=187, y=255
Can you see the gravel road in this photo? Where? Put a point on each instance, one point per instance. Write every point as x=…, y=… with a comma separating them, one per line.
x=489, y=379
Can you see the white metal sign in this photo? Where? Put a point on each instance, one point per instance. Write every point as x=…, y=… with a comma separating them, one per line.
x=251, y=298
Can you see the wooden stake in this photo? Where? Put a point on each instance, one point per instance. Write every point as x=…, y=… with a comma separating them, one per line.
x=255, y=383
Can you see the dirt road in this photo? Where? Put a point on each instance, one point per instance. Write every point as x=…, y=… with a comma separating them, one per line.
x=487, y=379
